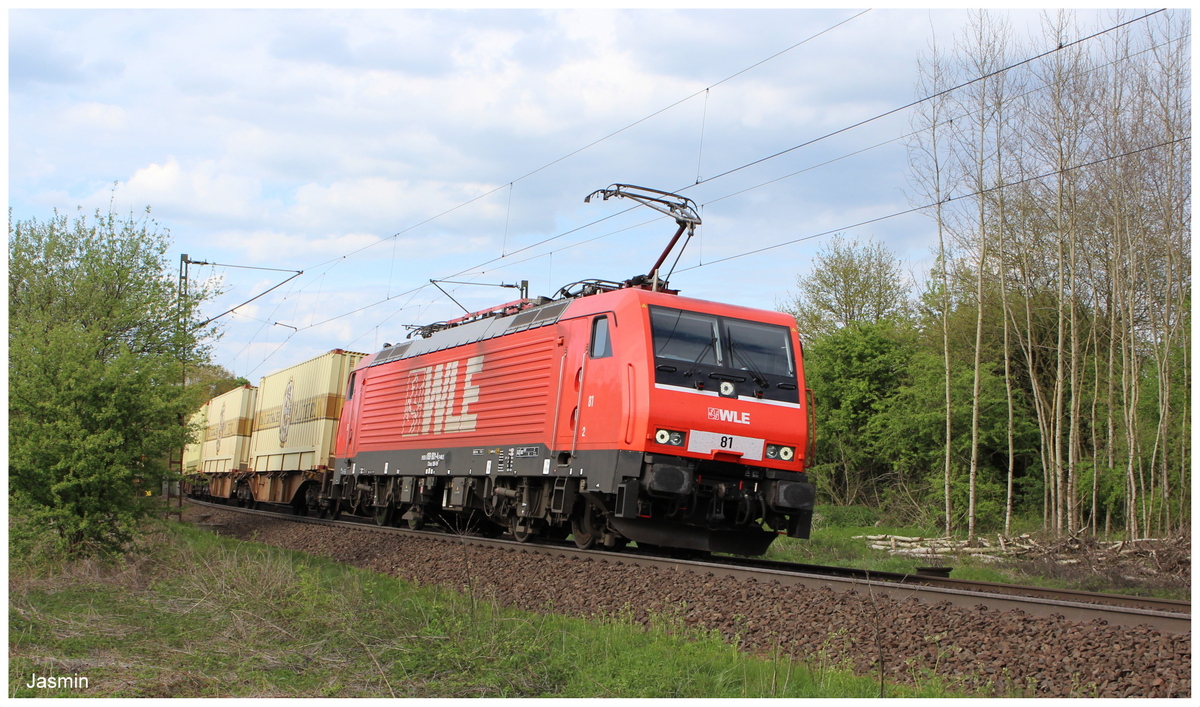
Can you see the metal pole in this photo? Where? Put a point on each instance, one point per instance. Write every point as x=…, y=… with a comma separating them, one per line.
x=183, y=288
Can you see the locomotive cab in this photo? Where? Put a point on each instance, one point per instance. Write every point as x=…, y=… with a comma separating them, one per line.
x=726, y=438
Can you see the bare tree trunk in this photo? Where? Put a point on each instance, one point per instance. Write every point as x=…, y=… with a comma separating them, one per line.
x=981, y=140
x=926, y=154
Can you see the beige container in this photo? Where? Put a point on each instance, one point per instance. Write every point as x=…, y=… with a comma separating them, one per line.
x=193, y=454
x=296, y=417
x=227, y=434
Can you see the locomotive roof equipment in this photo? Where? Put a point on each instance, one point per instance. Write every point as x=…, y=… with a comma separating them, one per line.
x=680, y=208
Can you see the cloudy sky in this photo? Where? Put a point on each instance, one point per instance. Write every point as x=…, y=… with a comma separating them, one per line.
x=377, y=150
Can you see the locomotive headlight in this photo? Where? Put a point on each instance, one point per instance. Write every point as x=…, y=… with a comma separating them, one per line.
x=671, y=437
x=777, y=451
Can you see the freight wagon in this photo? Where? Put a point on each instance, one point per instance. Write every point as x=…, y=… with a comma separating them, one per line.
x=193, y=454
x=226, y=444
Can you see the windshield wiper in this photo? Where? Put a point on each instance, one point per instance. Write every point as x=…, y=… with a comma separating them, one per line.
x=711, y=342
x=758, y=377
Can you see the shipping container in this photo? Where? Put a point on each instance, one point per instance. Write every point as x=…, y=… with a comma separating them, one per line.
x=227, y=439
x=193, y=454
x=295, y=424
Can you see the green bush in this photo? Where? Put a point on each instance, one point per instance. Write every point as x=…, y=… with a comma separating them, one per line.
x=98, y=340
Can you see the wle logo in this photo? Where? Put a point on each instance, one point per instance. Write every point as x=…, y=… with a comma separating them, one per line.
x=741, y=418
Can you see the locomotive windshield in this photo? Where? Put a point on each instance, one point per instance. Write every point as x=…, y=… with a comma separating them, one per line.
x=685, y=336
x=691, y=347
x=765, y=348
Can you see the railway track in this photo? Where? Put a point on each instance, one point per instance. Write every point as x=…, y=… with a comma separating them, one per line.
x=1164, y=615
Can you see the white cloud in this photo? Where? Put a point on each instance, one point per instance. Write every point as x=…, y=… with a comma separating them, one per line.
x=355, y=201
x=203, y=190
x=95, y=116
x=287, y=138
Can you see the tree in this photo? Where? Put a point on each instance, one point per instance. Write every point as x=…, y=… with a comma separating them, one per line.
x=1064, y=185
x=928, y=154
x=98, y=339
x=852, y=372
x=214, y=380
x=849, y=284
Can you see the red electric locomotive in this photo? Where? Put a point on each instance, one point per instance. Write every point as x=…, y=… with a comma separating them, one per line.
x=617, y=412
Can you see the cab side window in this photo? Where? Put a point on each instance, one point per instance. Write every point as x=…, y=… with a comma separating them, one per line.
x=601, y=342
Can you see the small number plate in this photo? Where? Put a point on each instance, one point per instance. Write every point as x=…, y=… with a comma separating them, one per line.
x=708, y=442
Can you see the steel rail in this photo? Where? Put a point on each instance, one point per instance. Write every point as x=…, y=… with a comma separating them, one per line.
x=1164, y=615
x=970, y=585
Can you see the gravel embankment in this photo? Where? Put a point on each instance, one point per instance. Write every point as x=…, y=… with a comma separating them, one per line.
x=1011, y=652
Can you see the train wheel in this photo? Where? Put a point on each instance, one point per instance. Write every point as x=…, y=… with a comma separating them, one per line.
x=383, y=514
x=415, y=521
x=587, y=527
x=335, y=509
x=520, y=535
x=583, y=539
x=311, y=502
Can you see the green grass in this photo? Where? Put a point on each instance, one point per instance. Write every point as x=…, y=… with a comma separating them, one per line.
x=191, y=614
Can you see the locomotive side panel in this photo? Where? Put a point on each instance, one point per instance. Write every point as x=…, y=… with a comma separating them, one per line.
x=433, y=413
x=601, y=408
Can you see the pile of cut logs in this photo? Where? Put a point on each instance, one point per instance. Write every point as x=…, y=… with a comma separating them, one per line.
x=993, y=548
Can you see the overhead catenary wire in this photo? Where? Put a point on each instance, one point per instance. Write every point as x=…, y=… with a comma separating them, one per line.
x=598, y=140
x=812, y=167
x=865, y=222
x=333, y=261
x=506, y=256
x=806, y=143
x=893, y=111
x=836, y=132
x=949, y=199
